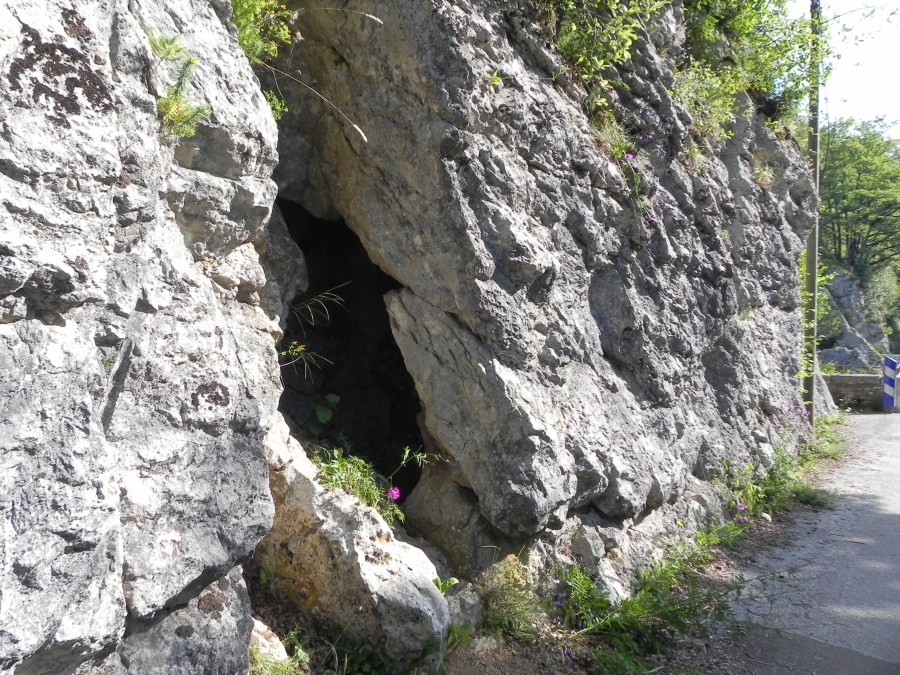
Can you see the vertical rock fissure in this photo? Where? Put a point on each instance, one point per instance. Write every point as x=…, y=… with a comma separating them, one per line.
x=349, y=350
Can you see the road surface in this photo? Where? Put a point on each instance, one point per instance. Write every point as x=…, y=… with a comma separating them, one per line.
x=839, y=613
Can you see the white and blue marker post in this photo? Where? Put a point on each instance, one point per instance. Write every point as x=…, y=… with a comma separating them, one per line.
x=889, y=380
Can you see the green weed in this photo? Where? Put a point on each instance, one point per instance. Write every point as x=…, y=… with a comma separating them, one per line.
x=354, y=475
x=783, y=484
x=444, y=585
x=511, y=606
x=177, y=115
x=261, y=664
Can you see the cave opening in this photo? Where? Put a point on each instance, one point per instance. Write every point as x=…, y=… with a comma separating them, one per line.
x=349, y=386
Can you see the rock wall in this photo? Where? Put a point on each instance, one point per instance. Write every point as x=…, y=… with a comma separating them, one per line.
x=140, y=302
x=860, y=339
x=589, y=338
x=586, y=335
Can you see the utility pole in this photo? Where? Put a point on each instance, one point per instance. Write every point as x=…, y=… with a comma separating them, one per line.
x=812, y=243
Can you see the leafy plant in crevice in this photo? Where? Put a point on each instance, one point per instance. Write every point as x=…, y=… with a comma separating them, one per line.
x=263, y=26
x=342, y=471
x=595, y=34
x=309, y=314
x=296, y=664
x=178, y=116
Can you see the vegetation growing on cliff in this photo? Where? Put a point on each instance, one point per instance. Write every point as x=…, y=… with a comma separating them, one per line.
x=752, y=47
x=178, y=116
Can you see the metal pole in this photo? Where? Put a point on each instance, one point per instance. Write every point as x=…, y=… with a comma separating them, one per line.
x=812, y=243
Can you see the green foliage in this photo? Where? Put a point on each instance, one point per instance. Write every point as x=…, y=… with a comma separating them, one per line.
x=511, y=606
x=594, y=34
x=860, y=190
x=276, y=104
x=310, y=313
x=357, y=477
x=261, y=664
x=297, y=353
x=459, y=636
x=823, y=306
x=709, y=97
x=314, y=310
x=262, y=27
x=177, y=115
x=768, y=53
x=494, y=79
x=165, y=48
x=354, y=475
x=782, y=485
x=612, y=136
x=668, y=600
x=444, y=585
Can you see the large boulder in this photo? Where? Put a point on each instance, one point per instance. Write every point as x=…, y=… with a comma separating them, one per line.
x=140, y=302
x=339, y=560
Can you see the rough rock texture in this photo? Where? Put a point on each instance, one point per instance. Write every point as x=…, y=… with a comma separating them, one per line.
x=208, y=635
x=861, y=340
x=339, y=560
x=140, y=302
x=584, y=333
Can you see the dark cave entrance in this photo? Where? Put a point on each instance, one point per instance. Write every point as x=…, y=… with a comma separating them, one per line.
x=350, y=352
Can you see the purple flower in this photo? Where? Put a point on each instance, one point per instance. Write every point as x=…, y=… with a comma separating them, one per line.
x=628, y=155
x=394, y=493
x=741, y=506
x=776, y=425
x=742, y=520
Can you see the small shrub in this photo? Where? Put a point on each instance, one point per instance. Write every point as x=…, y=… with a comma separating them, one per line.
x=177, y=115
x=709, y=98
x=595, y=34
x=613, y=138
x=262, y=27
x=511, y=606
x=763, y=173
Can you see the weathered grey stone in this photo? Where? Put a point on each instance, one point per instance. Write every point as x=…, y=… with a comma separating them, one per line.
x=209, y=634
x=133, y=387
x=339, y=560
x=581, y=331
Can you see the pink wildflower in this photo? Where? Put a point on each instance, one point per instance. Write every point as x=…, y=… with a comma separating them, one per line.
x=394, y=493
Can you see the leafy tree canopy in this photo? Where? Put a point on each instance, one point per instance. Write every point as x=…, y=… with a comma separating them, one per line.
x=860, y=191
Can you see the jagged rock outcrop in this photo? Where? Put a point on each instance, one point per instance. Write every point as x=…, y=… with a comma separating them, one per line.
x=140, y=302
x=340, y=561
x=584, y=334
x=860, y=338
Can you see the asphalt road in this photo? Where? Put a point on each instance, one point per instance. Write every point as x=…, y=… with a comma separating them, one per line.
x=834, y=594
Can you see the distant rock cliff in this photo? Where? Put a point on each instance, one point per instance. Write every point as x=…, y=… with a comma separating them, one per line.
x=589, y=339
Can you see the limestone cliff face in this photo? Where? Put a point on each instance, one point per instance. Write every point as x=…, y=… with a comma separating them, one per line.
x=140, y=302
x=587, y=336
